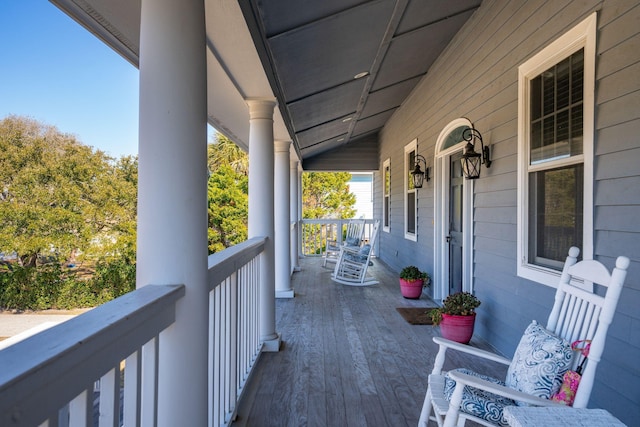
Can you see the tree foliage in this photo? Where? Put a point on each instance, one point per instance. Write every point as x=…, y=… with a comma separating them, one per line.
x=59, y=196
x=228, y=194
x=61, y=200
x=327, y=195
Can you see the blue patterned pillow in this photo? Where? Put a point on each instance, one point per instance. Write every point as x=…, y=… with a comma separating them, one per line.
x=353, y=241
x=539, y=362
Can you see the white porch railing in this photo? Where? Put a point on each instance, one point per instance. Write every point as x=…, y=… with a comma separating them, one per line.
x=60, y=376
x=48, y=379
x=234, y=341
x=315, y=233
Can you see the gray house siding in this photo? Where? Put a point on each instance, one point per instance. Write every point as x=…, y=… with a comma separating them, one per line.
x=477, y=77
x=397, y=251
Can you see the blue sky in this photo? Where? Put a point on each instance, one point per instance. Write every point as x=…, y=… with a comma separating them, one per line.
x=55, y=71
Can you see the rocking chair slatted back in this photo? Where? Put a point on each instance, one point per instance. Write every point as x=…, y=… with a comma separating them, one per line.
x=355, y=231
x=579, y=314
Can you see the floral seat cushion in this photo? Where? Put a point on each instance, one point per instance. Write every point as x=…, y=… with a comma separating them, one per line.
x=479, y=403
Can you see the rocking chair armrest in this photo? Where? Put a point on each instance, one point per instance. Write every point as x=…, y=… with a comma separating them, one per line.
x=463, y=379
x=443, y=342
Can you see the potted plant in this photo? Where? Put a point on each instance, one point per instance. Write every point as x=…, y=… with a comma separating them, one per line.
x=412, y=280
x=457, y=316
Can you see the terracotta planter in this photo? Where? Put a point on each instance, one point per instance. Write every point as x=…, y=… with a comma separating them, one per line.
x=411, y=289
x=457, y=328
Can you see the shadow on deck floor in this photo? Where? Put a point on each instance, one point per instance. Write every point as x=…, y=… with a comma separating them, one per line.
x=347, y=359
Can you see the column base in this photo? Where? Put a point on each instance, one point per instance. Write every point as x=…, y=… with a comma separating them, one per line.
x=285, y=294
x=272, y=345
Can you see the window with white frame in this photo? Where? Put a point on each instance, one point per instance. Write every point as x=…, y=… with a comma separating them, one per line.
x=555, y=151
x=410, y=194
x=386, y=195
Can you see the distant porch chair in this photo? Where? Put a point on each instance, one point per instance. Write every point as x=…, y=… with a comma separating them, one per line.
x=541, y=358
x=353, y=238
x=351, y=265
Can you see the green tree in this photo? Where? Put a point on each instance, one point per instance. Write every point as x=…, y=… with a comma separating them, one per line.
x=327, y=195
x=60, y=200
x=59, y=196
x=228, y=194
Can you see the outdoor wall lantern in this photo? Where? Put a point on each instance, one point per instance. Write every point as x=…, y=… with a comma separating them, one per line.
x=471, y=160
x=418, y=175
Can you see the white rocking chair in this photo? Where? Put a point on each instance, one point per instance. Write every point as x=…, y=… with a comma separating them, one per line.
x=352, y=263
x=577, y=314
x=355, y=231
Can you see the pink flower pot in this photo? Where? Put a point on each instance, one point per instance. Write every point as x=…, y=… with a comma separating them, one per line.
x=411, y=289
x=457, y=328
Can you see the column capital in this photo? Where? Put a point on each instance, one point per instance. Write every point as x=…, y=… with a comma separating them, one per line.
x=281, y=145
x=261, y=108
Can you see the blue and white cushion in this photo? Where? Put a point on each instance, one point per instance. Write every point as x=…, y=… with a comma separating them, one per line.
x=480, y=403
x=353, y=241
x=539, y=362
x=361, y=256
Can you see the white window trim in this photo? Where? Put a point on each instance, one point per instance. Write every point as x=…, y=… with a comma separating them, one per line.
x=412, y=146
x=386, y=164
x=581, y=36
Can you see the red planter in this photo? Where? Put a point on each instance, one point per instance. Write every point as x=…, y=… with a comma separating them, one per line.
x=457, y=328
x=411, y=289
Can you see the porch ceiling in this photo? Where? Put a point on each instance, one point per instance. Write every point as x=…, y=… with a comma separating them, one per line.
x=312, y=51
x=304, y=53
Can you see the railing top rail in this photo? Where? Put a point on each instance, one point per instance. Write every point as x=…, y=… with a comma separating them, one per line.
x=50, y=368
x=334, y=220
x=223, y=264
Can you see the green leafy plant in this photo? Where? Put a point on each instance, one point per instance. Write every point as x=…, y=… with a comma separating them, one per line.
x=412, y=272
x=458, y=304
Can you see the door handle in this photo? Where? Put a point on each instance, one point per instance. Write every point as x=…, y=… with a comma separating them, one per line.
x=448, y=239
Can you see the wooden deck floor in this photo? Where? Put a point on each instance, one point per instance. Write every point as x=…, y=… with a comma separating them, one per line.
x=348, y=358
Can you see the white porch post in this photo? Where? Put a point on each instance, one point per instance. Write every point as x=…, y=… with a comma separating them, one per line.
x=282, y=223
x=172, y=211
x=261, y=211
x=299, y=207
x=293, y=213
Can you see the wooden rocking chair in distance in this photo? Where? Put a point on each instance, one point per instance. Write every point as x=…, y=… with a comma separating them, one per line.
x=353, y=238
x=352, y=263
x=577, y=314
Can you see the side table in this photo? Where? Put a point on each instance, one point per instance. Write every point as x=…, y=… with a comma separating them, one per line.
x=539, y=416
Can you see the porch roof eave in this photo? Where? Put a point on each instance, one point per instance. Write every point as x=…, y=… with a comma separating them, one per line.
x=234, y=70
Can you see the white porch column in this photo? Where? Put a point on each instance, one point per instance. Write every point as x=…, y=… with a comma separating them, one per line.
x=261, y=211
x=300, y=254
x=172, y=209
x=282, y=223
x=293, y=213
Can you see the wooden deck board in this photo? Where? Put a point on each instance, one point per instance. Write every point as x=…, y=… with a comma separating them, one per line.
x=348, y=358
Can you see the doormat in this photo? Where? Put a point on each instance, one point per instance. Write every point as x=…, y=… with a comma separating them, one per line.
x=416, y=315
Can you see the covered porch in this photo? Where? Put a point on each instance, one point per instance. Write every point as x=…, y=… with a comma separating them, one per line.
x=195, y=328
x=348, y=357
